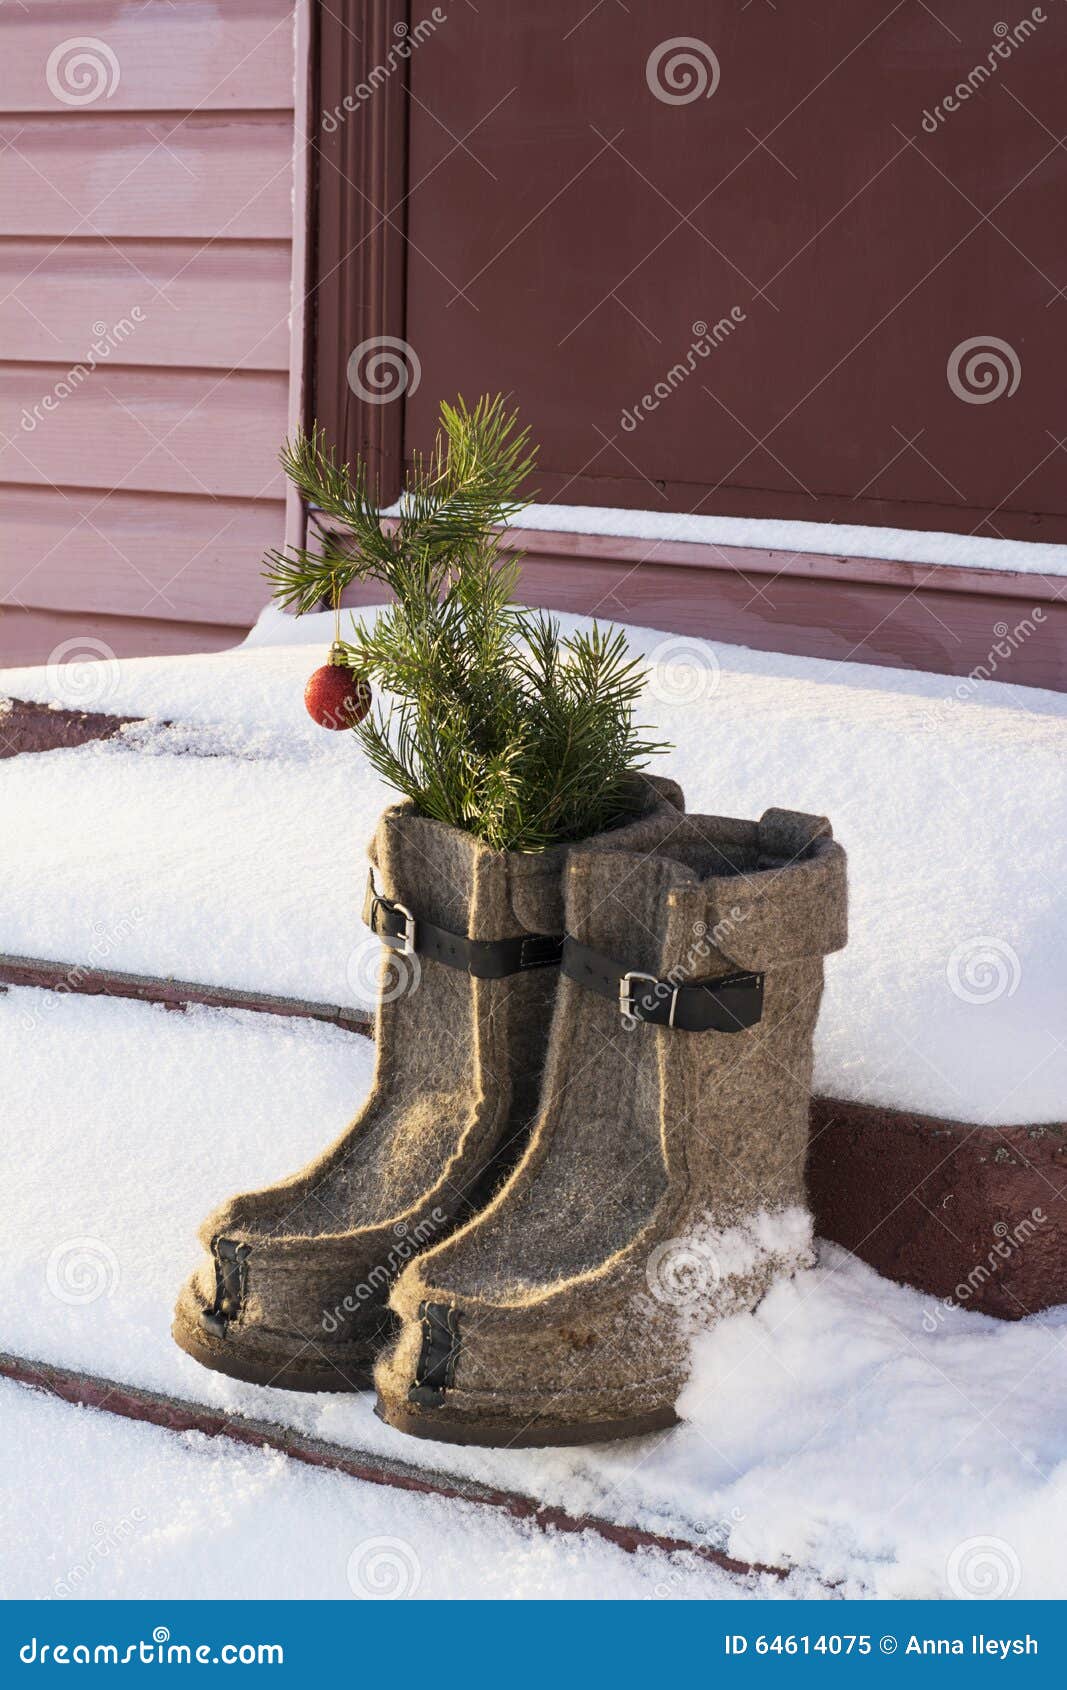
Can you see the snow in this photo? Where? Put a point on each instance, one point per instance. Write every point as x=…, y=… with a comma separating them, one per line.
x=258, y=691
x=827, y=539
x=875, y=1441
x=896, y=1443
x=242, y=862
x=237, y=871
x=124, y=1125
x=136, y=1512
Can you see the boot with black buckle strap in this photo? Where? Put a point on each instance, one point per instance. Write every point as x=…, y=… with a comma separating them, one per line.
x=663, y=1186
x=294, y=1287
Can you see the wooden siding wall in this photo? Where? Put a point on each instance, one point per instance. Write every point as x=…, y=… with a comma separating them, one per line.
x=146, y=206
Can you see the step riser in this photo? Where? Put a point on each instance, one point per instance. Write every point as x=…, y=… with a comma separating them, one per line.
x=974, y=1216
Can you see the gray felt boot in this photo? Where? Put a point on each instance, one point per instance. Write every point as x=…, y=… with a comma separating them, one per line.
x=663, y=1186
x=293, y=1289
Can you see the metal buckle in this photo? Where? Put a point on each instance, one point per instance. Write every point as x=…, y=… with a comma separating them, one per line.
x=403, y=943
x=626, y=994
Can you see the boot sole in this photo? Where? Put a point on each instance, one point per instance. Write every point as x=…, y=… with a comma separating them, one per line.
x=278, y=1374
x=515, y=1434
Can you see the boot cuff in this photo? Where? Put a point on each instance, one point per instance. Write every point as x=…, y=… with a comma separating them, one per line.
x=758, y=895
x=462, y=884
x=794, y=906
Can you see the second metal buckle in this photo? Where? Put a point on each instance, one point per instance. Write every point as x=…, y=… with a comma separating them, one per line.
x=626, y=994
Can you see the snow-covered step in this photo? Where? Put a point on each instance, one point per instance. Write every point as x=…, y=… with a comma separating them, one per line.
x=257, y=687
x=156, y=1408
x=849, y=1428
x=228, y=848
x=136, y=1513
x=236, y=871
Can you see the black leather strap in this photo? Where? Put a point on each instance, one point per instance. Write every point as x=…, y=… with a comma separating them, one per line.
x=729, y=1004
x=483, y=959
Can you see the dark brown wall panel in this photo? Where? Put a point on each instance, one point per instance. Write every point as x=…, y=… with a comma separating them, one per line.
x=567, y=228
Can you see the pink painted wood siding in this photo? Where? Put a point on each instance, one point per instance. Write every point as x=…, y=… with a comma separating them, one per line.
x=79, y=175
x=174, y=55
x=146, y=235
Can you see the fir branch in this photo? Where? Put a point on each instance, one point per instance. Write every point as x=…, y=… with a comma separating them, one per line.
x=494, y=723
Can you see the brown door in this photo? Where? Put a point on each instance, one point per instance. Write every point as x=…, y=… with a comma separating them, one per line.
x=761, y=260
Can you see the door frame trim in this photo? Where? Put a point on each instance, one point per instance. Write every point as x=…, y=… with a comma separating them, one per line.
x=357, y=224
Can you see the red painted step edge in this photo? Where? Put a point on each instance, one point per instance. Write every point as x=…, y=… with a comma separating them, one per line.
x=26, y=727
x=173, y=994
x=176, y=1415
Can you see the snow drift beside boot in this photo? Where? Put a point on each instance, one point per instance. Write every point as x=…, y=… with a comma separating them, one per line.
x=293, y=1289
x=663, y=1186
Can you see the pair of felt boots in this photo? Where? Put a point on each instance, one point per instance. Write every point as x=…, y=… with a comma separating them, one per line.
x=585, y=1140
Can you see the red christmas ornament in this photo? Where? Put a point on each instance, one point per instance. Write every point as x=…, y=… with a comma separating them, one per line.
x=336, y=697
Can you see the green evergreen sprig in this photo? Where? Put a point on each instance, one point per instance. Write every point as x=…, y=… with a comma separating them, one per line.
x=496, y=722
